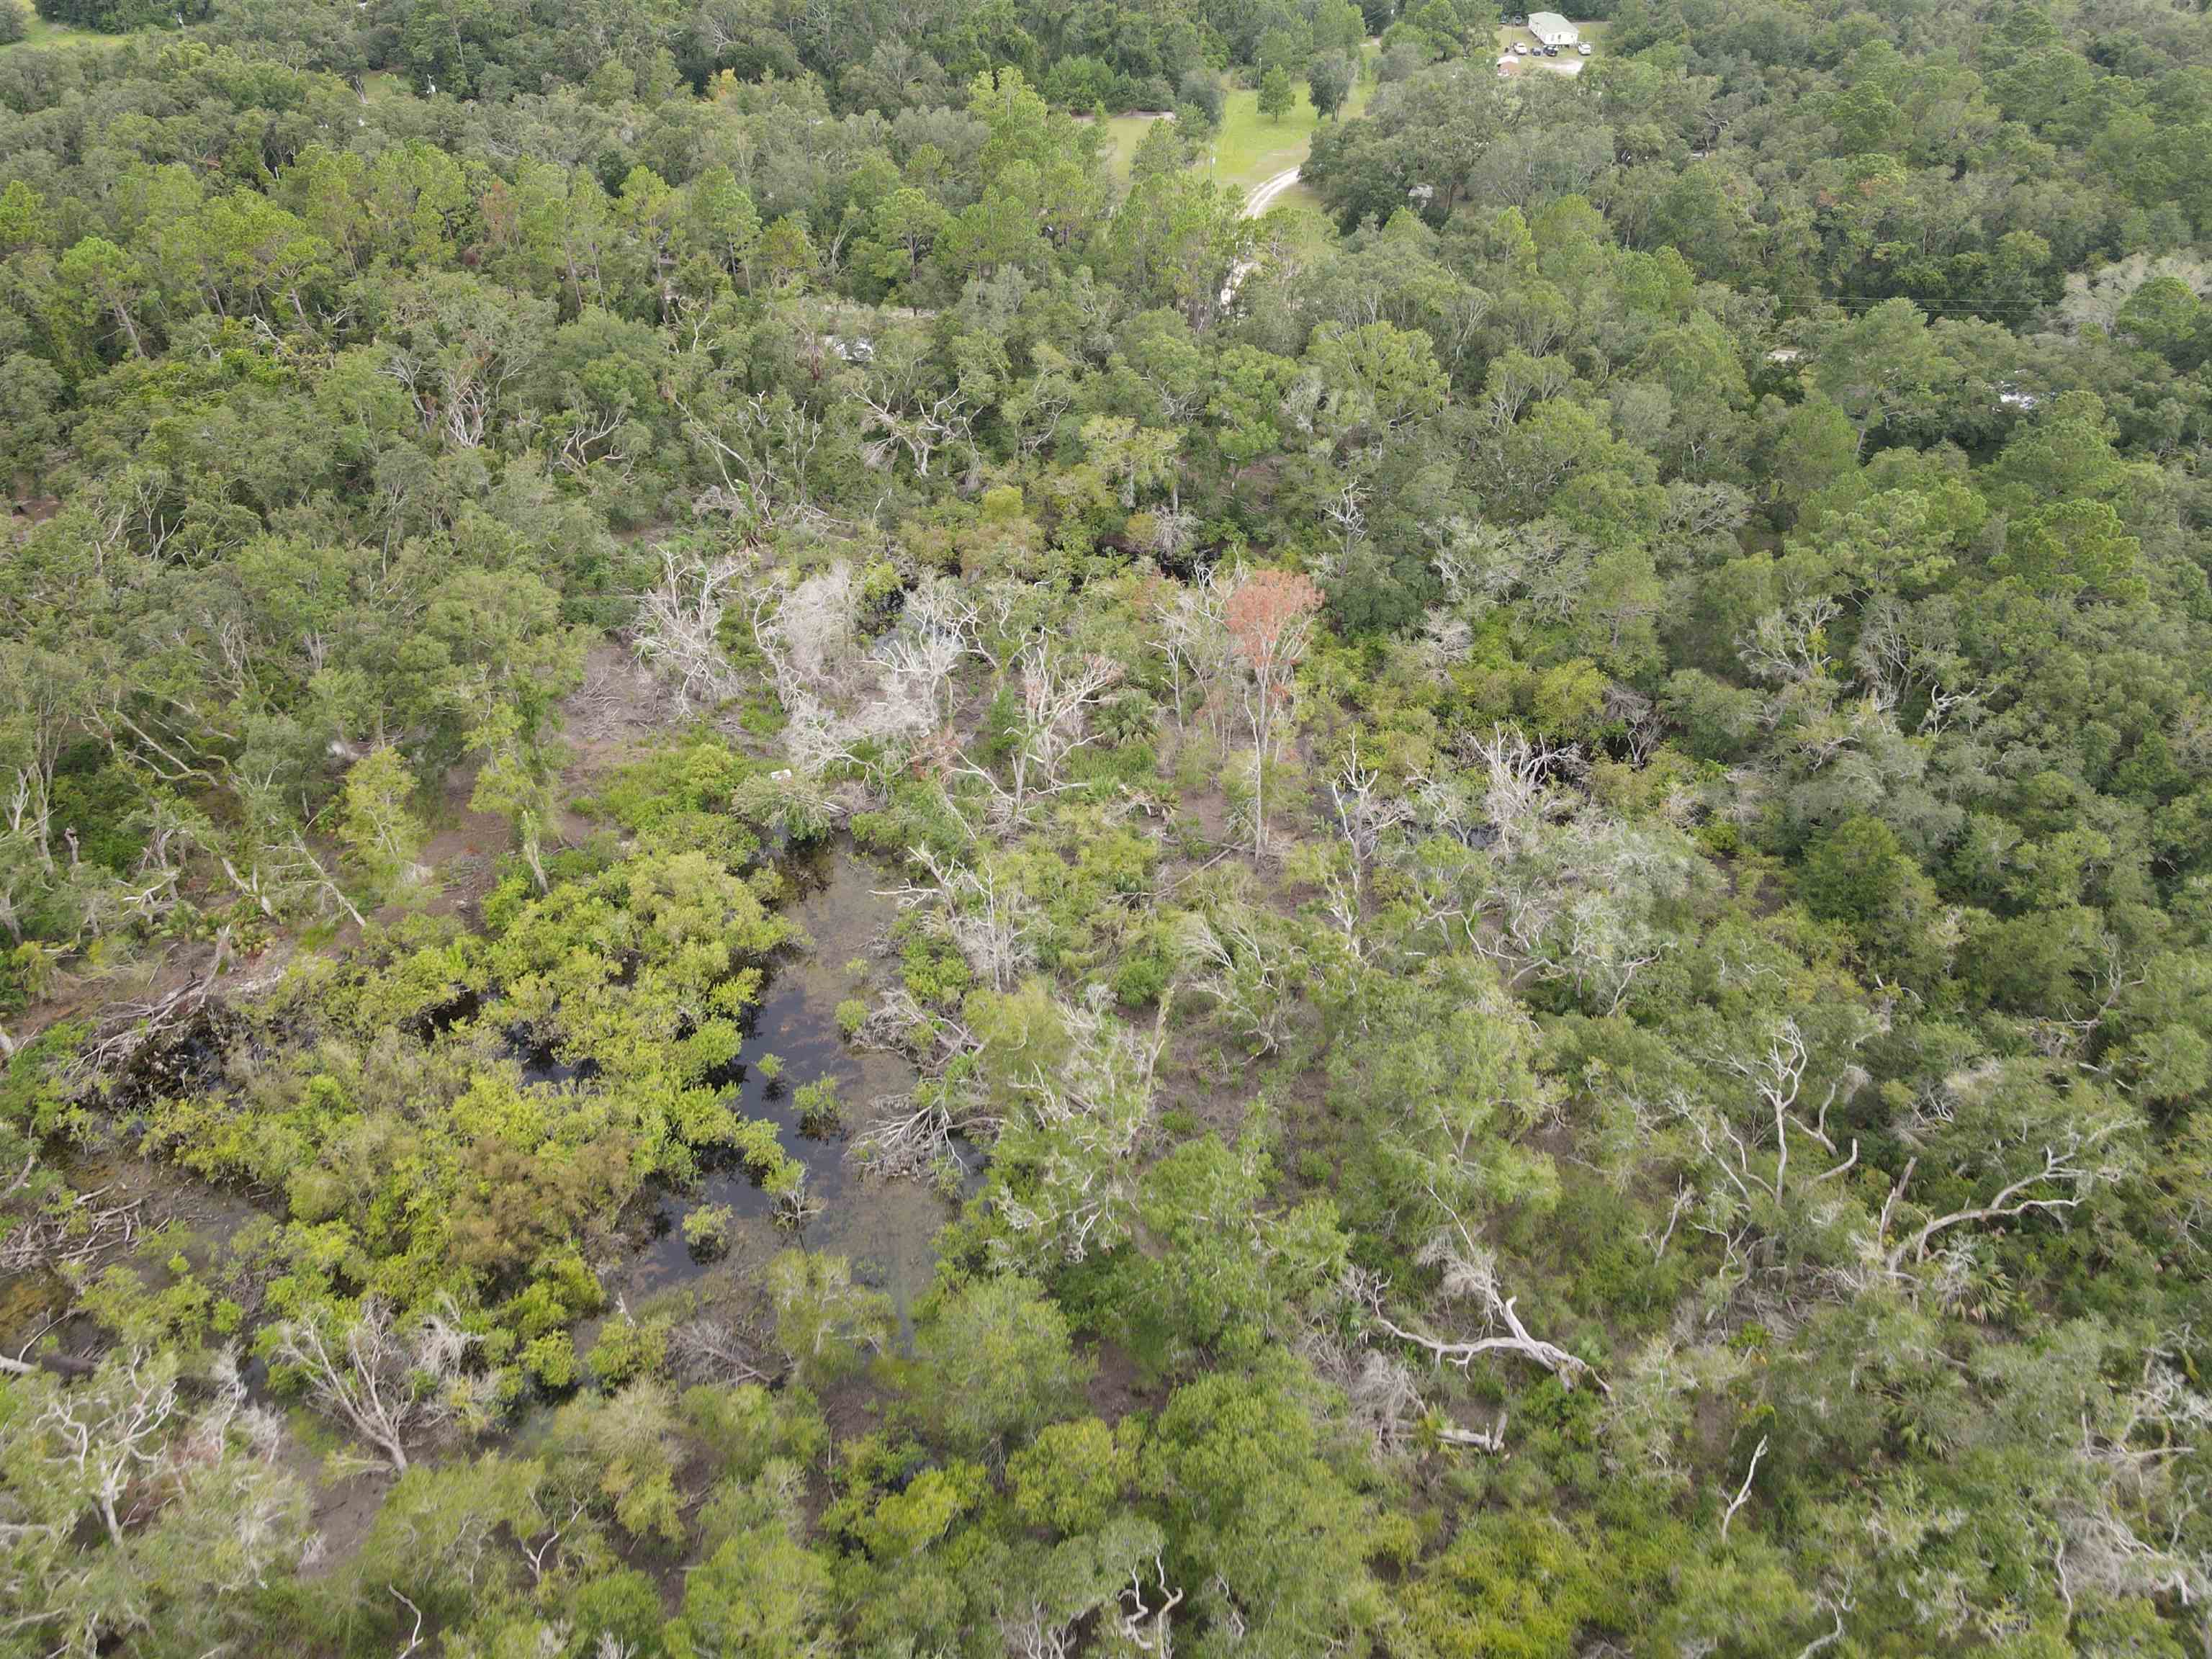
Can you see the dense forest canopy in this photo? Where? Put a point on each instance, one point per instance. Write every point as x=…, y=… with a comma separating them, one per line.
x=1507, y=872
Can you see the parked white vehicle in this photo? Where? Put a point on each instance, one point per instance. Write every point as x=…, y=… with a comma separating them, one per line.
x=1584, y=48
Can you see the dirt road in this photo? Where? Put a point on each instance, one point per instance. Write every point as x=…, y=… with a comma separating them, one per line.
x=1263, y=195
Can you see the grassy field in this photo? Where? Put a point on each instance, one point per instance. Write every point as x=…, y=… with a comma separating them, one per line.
x=1122, y=133
x=1300, y=195
x=40, y=32
x=1250, y=149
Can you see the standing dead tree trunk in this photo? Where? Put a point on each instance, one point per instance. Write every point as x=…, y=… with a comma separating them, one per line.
x=1058, y=691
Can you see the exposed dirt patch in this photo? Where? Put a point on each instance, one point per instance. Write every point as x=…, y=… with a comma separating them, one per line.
x=23, y=513
x=1116, y=1387
x=619, y=704
x=463, y=853
x=1209, y=809
x=342, y=1511
x=129, y=1211
x=619, y=709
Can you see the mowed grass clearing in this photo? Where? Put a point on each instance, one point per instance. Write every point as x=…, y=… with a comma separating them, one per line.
x=39, y=32
x=1122, y=134
x=1250, y=149
x=1300, y=195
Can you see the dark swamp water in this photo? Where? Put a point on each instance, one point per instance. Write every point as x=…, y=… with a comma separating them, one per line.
x=887, y=1228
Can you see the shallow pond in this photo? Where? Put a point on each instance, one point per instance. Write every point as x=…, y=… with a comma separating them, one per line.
x=888, y=1228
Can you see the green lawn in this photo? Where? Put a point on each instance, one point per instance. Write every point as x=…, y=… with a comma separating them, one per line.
x=1250, y=149
x=1122, y=133
x=40, y=32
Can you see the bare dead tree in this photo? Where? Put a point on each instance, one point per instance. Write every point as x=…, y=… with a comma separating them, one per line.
x=1362, y=812
x=1365, y=815
x=1033, y=1631
x=68, y=1235
x=1193, y=638
x=1383, y=1397
x=1572, y=900
x=1470, y=1273
x=1239, y=958
x=1895, y=658
x=390, y=1385
x=934, y=638
x=2061, y=1182
x=110, y=1430
x=1148, y=1629
x=1057, y=690
x=597, y=429
x=1518, y=775
x=1686, y=1197
x=809, y=631
x=911, y=1137
x=1082, y=1125
x=415, y=1637
x=537, y=1554
x=1836, y=1605
x=983, y=912
x=2070, y=1032
x=1775, y=1075
x=1787, y=645
x=1639, y=717
x=923, y=424
x=763, y=447
x=677, y=629
x=797, y=1205
x=1743, y=1492
x=1516, y=1339
x=1345, y=511
x=1491, y=1440
x=126, y=1028
x=843, y=705
x=902, y=1025
x=710, y=1348
x=1036, y=409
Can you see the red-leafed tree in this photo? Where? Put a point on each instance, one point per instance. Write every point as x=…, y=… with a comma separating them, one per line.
x=1270, y=621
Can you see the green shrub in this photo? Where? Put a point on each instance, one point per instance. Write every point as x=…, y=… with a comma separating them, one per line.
x=820, y=1111
x=627, y=1348
x=707, y=1230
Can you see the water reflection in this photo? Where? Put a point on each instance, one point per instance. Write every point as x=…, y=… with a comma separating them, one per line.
x=888, y=1228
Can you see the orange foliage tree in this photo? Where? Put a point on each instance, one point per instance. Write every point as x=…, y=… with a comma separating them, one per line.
x=1270, y=621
